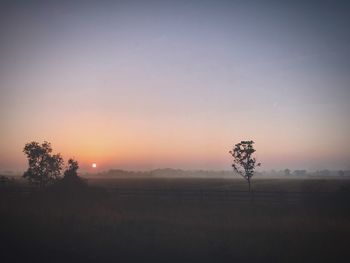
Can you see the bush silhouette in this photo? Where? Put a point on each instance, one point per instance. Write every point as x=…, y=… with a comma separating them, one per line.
x=71, y=180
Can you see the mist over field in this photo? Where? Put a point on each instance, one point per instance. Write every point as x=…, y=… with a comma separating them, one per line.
x=179, y=173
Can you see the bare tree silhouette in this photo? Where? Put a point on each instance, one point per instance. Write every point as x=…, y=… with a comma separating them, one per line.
x=243, y=162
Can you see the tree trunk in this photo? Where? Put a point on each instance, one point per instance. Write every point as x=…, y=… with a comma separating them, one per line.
x=249, y=183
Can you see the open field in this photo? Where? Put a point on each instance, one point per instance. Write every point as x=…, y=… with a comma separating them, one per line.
x=179, y=220
x=278, y=184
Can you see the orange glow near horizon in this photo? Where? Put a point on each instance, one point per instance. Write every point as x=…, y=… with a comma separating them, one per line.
x=141, y=145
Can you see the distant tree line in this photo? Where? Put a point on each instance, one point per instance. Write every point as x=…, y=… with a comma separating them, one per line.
x=6, y=181
x=303, y=172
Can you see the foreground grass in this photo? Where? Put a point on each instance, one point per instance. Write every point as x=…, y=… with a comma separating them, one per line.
x=92, y=225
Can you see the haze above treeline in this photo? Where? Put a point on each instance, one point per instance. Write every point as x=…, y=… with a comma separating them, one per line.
x=174, y=173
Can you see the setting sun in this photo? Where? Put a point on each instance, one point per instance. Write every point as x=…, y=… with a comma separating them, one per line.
x=94, y=165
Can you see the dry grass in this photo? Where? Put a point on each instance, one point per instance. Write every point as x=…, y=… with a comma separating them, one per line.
x=93, y=225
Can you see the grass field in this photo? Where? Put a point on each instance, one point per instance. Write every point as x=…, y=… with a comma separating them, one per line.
x=179, y=220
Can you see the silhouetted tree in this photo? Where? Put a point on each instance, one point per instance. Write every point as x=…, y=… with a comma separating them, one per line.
x=44, y=167
x=72, y=168
x=243, y=162
x=71, y=180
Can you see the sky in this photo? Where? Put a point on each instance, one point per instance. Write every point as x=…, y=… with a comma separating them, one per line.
x=153, y=84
